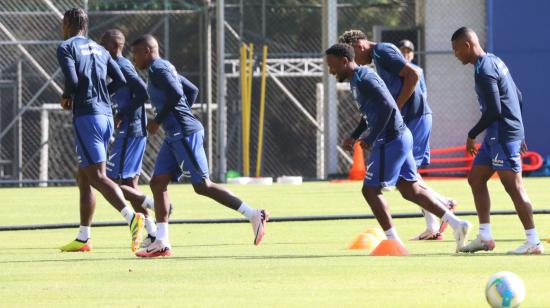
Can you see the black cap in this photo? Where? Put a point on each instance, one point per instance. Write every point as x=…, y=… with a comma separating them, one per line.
x=406, y=44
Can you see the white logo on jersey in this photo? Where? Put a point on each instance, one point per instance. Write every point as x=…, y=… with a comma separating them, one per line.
x=111, y=156
x=497, y=162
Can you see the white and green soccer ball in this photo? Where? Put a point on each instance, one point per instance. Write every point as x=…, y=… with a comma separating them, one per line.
x=505, y=289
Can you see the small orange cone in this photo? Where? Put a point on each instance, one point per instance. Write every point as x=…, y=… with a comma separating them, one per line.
x=364, y=241
x=357, y=171
x=548, y=240
x=390, y=248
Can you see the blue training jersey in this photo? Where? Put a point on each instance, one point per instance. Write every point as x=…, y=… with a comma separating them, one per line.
x=377, y=106
x=389, y=62
x=86, y=65
x=173, y=109
x=130, y=101
x=499, y=99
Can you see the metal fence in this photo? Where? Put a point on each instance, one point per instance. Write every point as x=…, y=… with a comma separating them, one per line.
x=36, y=140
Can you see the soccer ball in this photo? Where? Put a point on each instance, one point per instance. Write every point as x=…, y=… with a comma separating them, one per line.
x=505, y=289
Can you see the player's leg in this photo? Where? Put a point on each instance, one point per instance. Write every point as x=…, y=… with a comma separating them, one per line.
x=93, y=133
x=166, y=169
x=510, y=177
x=87, y=209
x=137, y=203
x=190, y=151
x=379, y=208
x=480, y=173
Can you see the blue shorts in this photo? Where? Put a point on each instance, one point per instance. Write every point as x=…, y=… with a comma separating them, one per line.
x=183, y=157
x=500, y=156
x=390, y=161
x=126, y=156
x=92, y=134
x=421, y=129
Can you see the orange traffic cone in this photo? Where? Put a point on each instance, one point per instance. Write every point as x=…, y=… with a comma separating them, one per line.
x=357, y=171
x=364, y=241
x=390, y=248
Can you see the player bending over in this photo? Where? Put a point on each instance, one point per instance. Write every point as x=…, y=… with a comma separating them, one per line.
x=182, y=149
x=501, y=119
x=86, y=65
x=389, y=141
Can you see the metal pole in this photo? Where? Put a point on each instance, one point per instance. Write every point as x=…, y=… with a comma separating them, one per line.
x=19, y=130
x=320, y=136
x=166, y=33
x=208, y=24
x=330, y=24
x=44, y=136
x=221, y=90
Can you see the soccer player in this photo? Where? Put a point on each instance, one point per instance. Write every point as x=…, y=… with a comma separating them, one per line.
x=407, y=50
x=389, y=141
x=126, y=153
x=402, y=79
x=86, y=65
x=182, y=150
x=501, y=119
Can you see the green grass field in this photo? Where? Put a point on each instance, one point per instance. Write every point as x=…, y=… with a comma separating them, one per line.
x=299, y=263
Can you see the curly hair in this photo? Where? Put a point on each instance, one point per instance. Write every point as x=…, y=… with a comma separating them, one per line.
x=351, y=37
x=77, y=19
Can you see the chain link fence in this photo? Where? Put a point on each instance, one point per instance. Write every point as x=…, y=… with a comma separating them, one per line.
x=36, y=139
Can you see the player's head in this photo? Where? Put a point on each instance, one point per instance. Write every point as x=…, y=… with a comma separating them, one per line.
x=362, y=47
x=145, y=49
x=75, y=22
x=407, y=49
x=113, y=40
x=341, y=61
x=465, y=44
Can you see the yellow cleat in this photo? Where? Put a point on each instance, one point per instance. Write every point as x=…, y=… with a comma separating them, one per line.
x=136, y=228
x=76, y=245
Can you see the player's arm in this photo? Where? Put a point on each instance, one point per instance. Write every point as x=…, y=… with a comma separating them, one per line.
x=138, y=88
x=490, y=95
x=167, y=82
x=117, y=78
x=67, y=64
x=524, y=147
x=393, y=61
x=347, y=143
x=384, y=110
x=189, y=89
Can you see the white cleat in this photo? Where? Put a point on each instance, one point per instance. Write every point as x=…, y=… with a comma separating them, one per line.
x=156, y=249
x=461, y=234
x=259, y=221
x=479, y=245
x=428, y=235
x=528, y=249
x=147, y=241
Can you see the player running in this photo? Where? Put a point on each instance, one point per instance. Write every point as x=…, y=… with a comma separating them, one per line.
x=86, y=65
x=402, y=79
x=501, y=119
x=389, y=141
x=126, y=152
x=182, y=150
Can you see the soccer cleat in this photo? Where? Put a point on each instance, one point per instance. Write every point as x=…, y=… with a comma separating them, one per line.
x=136, y=228
x=77, y=245
x=147, y=241
x=156, y=249
x=451, y=205
x=528, y=249
x=461, y=234
x=428, y=235
x=259, y=221
x=478, y=245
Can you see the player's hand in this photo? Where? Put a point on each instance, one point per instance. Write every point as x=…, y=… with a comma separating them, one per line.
x=523, y=148
x=347, y=145
x=471, y=146
x=364, y=145
x=118, y=120
x=66, y=103
x=152, y=127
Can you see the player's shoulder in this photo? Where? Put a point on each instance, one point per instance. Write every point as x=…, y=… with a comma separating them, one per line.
x=161, y=65
x=488, y=64
x=385, y=47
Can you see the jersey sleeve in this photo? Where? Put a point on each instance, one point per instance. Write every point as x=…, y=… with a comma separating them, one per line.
x=189, y=89
x=137, y=88
x=168, y=83
x=117, y=78
x=384, y=112
x=487, y=84
x=390, y=59
x=67, y=64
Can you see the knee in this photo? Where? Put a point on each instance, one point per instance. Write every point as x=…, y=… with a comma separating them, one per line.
x=157, y=185
x=409, y=193
x=201, y=188
x=476, y=183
